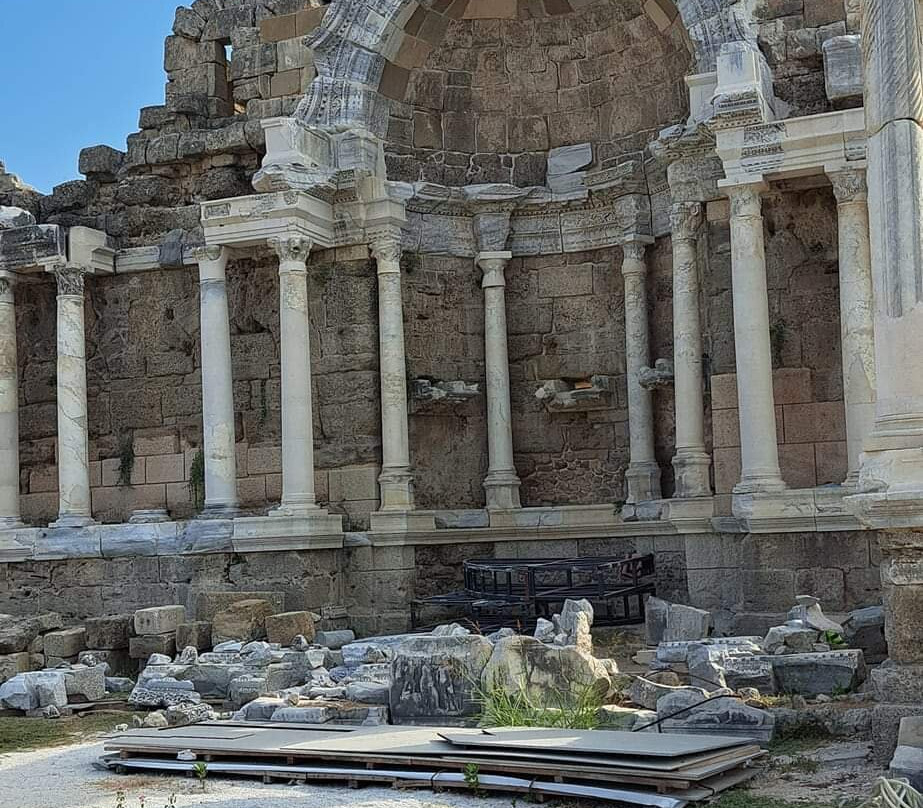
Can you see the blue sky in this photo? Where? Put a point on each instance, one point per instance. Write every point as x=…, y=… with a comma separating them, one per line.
x=75, y=74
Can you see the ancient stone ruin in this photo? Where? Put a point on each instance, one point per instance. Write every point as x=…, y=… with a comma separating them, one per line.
x=387, y=284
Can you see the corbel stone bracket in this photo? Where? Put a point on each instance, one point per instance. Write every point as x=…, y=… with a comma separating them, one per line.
x=657, y=377
x=427, y=392
x=560, y=395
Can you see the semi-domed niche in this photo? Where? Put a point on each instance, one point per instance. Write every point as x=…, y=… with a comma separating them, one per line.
x=486, y=98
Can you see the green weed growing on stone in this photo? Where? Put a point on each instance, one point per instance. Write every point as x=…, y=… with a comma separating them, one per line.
x=201, y=772
x=502, y=708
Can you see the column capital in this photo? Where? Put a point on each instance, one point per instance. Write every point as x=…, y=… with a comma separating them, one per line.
x=70, y=279
x=686, y=219
x=8, y=281
x=849, y=185
x=386, y=247
x=209, y=252
x=493, y=265
x=212, y=260
x=291, y=248
x=634, y=248
x=746, y=199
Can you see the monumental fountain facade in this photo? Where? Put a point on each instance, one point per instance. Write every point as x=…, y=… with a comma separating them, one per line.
x=387, y=284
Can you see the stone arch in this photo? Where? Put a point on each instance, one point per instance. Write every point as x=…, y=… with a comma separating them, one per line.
x=364, y=48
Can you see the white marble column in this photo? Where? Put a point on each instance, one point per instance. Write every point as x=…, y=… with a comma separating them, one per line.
x=856, y=313
x=643, y=474
x=9, y=407
x=892, y=466
x=759, y=454
x=73, y=437
x=298, y=495
x=502, y=482
x=217, y=385
x=396, y=480
x=691, y=463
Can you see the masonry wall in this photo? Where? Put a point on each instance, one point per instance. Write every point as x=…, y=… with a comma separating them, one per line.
x=749, y=581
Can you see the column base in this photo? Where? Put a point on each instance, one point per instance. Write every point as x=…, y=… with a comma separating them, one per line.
x=403, y=522
x=692, y=514
x=73, y=520
x=303, y=509
x=315, y=530
x=502, y=490
x=396, y=487
x=769, y=482
x=148, y=516
x=218, y=511
x=643, y=482
x=691, y=472
x=890, y=489
x=766, y=512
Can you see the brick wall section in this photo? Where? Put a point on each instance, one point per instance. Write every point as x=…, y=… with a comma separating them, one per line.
x=501, y=88
x=791, y=35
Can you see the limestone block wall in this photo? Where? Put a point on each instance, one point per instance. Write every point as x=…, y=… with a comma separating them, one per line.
x=749, y=581
x=483, y=97
x=791, y=35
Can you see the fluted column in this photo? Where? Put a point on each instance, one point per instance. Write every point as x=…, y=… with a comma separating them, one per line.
x=9, y=407
x=759, y=454
x=396, y=480
x=643, y=474
x=298, y=495
x=217, y=385
x=73, y=438
x=502, y=482
x=691, y=462
x=856, y=313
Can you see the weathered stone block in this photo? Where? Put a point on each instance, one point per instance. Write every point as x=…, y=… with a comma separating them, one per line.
x=110, y=632
x=197, y=634
x=85, y=684
x=13, y=664
x=283, y=628
x=142, y=647
x=208, y=604
x=819, y=674
x=437, y=676
x=243, y=621
x=159, y=619
x=66, y=643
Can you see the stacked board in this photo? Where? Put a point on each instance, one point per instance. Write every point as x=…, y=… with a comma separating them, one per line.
x=649, y=769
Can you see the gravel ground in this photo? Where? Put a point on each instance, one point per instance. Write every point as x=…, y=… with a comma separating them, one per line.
x=64, y=777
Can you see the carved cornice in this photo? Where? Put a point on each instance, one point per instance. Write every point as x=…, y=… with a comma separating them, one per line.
x=292, y=248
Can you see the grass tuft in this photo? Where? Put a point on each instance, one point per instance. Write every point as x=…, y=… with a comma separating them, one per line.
x=560, y=710
x=24, y=734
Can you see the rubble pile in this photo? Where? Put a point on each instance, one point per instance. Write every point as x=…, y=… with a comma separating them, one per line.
x=728, y=678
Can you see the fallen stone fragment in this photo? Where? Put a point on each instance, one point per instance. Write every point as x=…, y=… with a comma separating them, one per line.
x=790, y=639
x=723, y=716
x=865, y=629
x=119, y=684
x=368, y=692
x=811, y=675
x=810, y=613
x=109, y=633
x=742, y=672
x=908, y=757
x=159, y=619
x=284, y=628
x=334, y=639
x=244, y=620
x=66, y=643
x=647, y=693
x=85, y=684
